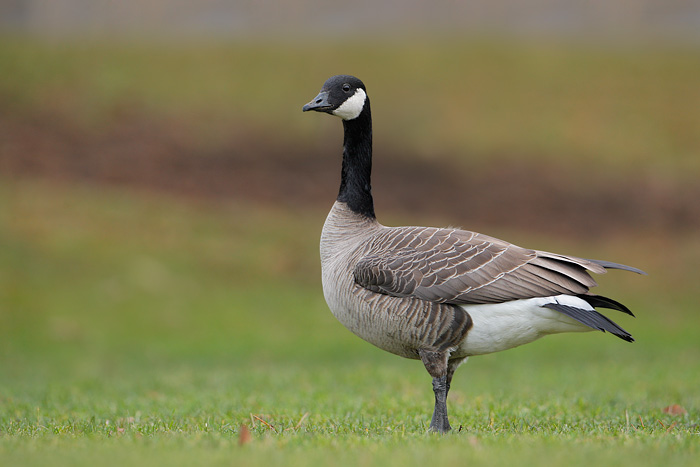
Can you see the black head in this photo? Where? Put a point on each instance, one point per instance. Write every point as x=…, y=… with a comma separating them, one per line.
x=342, y=95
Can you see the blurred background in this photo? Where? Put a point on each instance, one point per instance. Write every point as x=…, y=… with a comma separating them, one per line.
x=162, y=194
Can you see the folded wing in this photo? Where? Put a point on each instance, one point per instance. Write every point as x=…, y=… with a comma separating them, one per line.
x=461, y=267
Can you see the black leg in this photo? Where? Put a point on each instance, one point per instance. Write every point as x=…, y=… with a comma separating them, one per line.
x=436, y=364
x=439, y=423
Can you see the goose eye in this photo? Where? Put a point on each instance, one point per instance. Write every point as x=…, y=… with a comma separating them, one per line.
x=346, y=87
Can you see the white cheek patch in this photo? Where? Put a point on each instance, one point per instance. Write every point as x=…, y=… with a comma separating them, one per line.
x=352, y=108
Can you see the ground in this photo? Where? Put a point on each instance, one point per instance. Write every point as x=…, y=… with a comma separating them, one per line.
x=160, y=213
x=509, y=191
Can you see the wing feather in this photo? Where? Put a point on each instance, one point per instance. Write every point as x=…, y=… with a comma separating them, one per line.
x=461, y=267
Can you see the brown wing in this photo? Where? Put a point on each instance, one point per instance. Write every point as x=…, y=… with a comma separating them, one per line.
x=460, y=267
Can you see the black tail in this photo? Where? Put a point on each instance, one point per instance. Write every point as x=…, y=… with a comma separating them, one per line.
x=598, y=301
x=592, y=318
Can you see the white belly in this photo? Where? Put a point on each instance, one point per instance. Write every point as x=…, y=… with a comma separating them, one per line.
x=502, y=326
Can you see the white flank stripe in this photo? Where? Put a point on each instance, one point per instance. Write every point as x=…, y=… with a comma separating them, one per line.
x=502, y=326
x=352, y=108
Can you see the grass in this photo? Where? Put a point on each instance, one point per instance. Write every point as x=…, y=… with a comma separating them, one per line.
x=134, y=329
x=148, y=330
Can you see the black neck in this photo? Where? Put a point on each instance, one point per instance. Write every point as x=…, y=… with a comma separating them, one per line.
x=355, y=187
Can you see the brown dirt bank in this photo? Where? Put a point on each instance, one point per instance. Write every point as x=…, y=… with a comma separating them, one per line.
x=512, y=193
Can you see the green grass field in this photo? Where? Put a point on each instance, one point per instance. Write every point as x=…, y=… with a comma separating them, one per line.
x=149, y=330
x=138, y=328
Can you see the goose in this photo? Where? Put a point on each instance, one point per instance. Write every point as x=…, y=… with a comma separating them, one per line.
x=440, y=295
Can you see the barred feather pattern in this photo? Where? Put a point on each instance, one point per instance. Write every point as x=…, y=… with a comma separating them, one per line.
x=461, y=267
x=401, y=325
x=404, y=289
